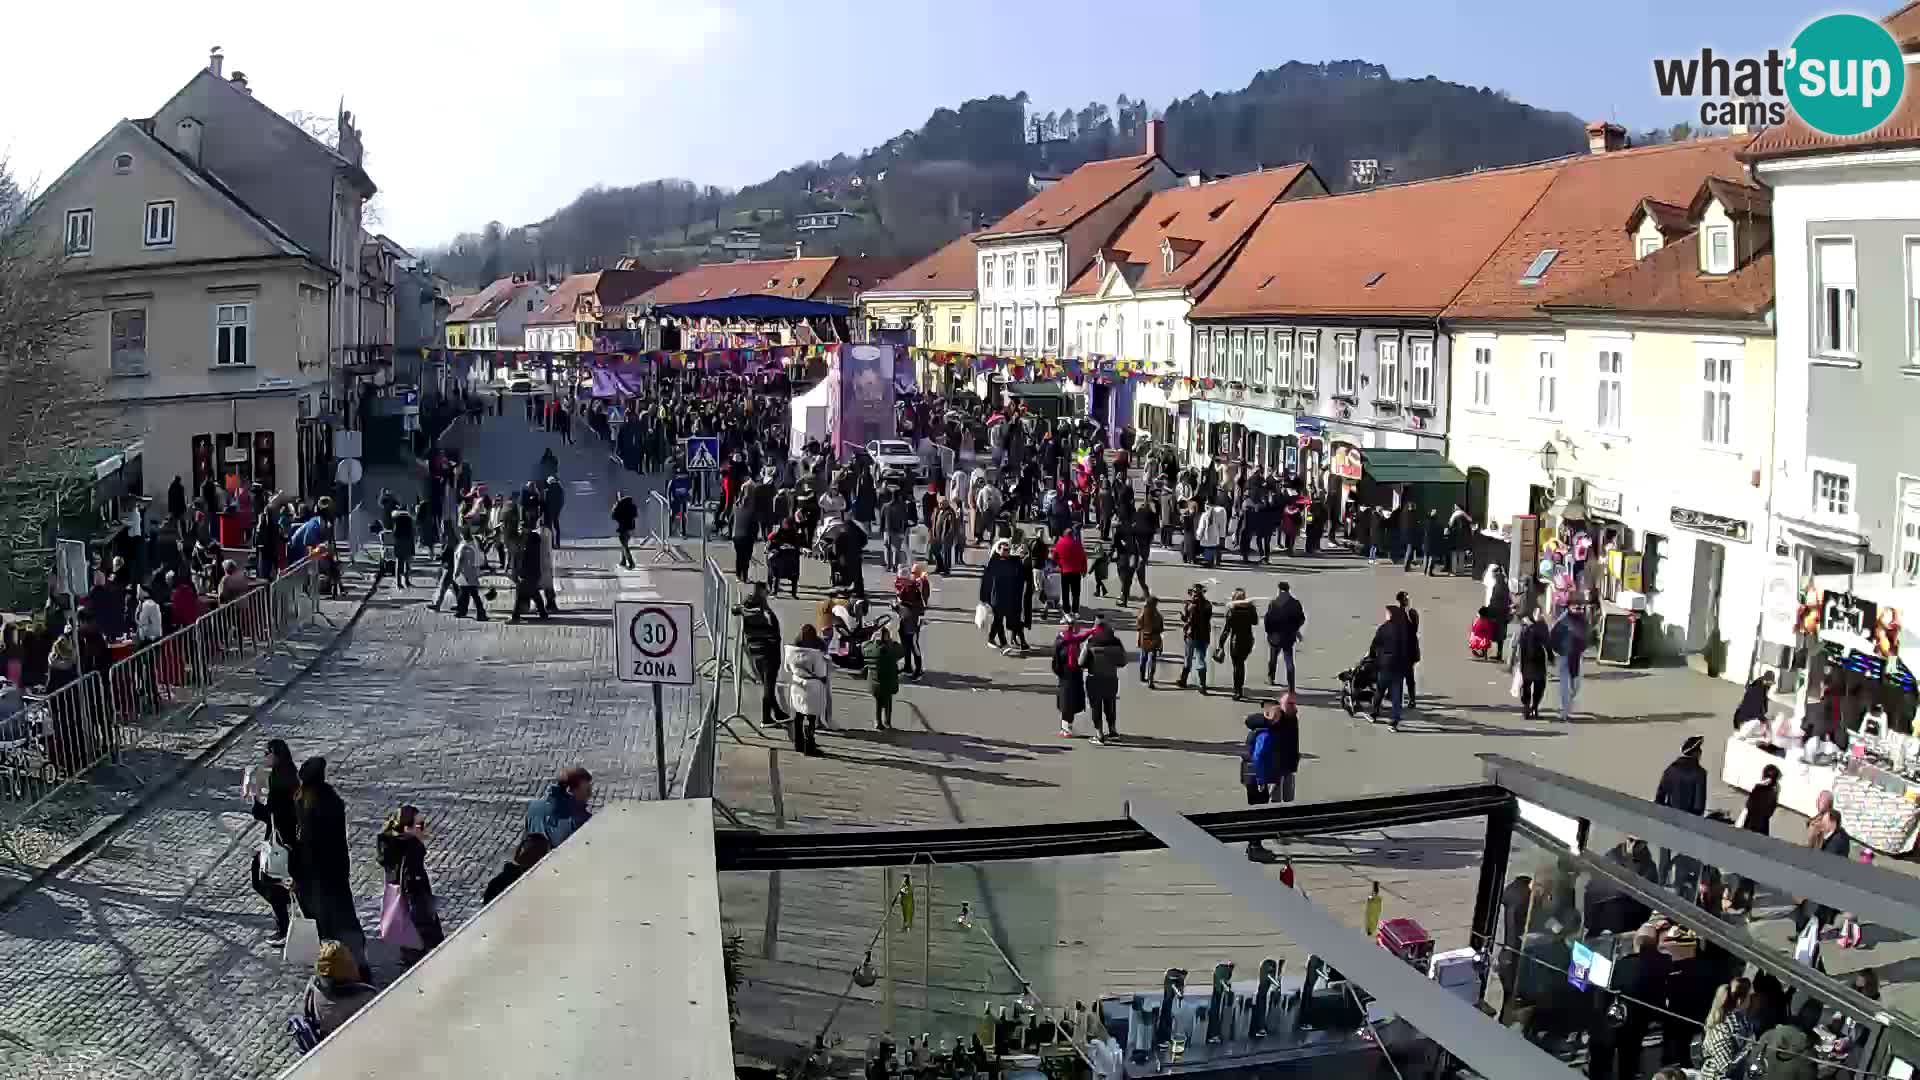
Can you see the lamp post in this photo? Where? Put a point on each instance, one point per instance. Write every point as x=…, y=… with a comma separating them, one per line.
x=1549, y=457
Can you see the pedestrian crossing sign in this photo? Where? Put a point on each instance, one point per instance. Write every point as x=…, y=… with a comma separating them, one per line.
x=703, y=452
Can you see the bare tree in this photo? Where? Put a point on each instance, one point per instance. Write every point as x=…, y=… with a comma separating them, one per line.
x=50, y=409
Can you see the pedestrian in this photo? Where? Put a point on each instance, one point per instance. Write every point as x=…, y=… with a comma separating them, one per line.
x=319, y=863
x=760, y=635
x=745, y=529
x=531, y=849
x=1003, y=585
x=1070, y=555
x=549, y=543
x=1569, y=647
x=337, y=990
x=1102, y=563
x=1729, y=1033
x=409, y=915
x=1392, y=646
x=1532, y=657
x=1070, y=689
x=1499, y=611
x=1150, y=628
x=1640, y=982
x=1436, y=538
x=911, y=595
x=553, y=498
x=882, y=656
x=1683, y=786
x=1270, y=759
x=1236, y=631
x=1196, y=622
x=1284, y=621
x=895, y=518
x=448, y=559
x=562, y=811
x=1754, y=701
x=1831, y=839
x=526, y=577
x=1785, y=1052
x=1103, y=657
x=810, y=693
x=626, y=517
x=1413, y=646
x=1762, y=801
x=273, y=805
x=403, y=546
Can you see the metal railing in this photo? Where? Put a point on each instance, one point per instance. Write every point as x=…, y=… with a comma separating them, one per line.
x=58, y=739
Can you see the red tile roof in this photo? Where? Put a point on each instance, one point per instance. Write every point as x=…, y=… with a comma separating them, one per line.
x=619, y=286
x=1668, y=218
x=561, y=305
x=1669, y=282
x=486, y=303
x=1901, y=129
x=793, y=278
x=1072, y=197
x=949, y=269
x=852, y=275
x=1579, y=216
x=1740, y=200
x=1426, y=239
x=1202, y=225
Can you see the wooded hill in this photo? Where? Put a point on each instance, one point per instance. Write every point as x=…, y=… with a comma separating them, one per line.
x=968, y=166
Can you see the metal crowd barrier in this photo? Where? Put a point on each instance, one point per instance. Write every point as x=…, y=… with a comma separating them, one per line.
x=661, y=538
x=141, y=702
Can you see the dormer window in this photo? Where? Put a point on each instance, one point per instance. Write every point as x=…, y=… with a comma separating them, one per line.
x=1166, y=257
x=1646, y=245
x=1716, y=244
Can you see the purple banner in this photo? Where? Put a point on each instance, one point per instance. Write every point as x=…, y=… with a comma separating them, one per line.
x=866, y=394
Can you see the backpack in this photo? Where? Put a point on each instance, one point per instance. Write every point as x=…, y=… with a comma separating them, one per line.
x=1250, y=754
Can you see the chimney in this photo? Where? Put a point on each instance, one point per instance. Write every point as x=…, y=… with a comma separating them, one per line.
x=239, y=81
x=1156, y=137
x=797, y=245
x=1605, y=136
x=186, y=139
x=216, y=63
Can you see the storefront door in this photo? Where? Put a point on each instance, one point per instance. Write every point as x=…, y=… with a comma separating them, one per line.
x=1709, y=562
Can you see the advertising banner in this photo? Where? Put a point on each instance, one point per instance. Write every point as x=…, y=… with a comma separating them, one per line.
x=866, y=395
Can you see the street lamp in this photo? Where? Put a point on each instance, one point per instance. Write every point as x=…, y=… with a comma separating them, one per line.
x=1549, y=457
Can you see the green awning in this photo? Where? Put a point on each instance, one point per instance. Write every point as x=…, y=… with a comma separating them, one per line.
x=1409, y=467
x=1034, y=389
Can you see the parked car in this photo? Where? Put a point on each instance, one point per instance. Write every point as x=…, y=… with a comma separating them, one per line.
x=519, y=382
x=895, y=455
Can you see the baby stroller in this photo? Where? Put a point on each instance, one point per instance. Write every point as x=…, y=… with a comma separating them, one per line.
x=1480, y=636
x=1356, y=685
x=783, y=564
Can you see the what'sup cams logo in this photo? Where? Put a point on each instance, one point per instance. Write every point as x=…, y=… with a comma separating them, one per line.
x=1843, y=76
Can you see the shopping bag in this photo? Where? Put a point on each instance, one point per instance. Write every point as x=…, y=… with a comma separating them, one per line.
x=982, y=617
x=303, y=942
x=273, y=856
x=1515, y=688
x=1807, y=943
x=396, y=922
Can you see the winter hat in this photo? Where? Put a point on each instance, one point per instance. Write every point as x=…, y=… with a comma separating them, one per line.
x=1693, y=746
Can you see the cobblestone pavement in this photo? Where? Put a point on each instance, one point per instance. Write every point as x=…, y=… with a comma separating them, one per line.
x=149, y=957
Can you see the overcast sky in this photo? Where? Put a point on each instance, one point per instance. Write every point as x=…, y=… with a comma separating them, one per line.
x=483, y=110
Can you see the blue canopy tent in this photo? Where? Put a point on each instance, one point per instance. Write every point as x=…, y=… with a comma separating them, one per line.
x=754, y=306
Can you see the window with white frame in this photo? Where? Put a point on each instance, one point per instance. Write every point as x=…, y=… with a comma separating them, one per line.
x=986, y=328
x=1172, y=328
x=1147, y=332
x=1257, y=358
x=1119, y=335
x=1029, y=324
x=1718, y=398
x=1719, y=249
x=1546, y=381
x=953, y=328
x=1833, y=261
x=1007, y=271
x=1647, y=245
x=232, y=335
x=127, y=351
x=1386, y=386
x=79, y=232
x=1913, y=303
x=1346, y=365
x=1420, y=358
x=1610, y=395
x=1282, y=359
x=1053, y=268
x=1306, y=362
x=1033, y=268
x=1832, y=490
x=986, y=271
x=1909, y=560
x=1079, y=336
x=159, y=223
x=1483, y=376
x=1053, y=329
x=1222, y=364
x=1007, y=338
x=1237, y=364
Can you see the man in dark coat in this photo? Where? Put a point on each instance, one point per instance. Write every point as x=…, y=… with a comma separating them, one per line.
x=552, y=498
x=760, y=634
x=1270, y=759
x=1391, y=650
x=1284, y=620
x=1533, y=655
x=176, y=501
x=319, y=863
x=1683, y=786
x=1003, y=586
x=527, y=576
x=1640, y=983
x=745, y=529
x=1413, y=646
x=1436, y=542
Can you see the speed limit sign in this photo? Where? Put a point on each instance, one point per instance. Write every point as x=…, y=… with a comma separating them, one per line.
x=653, y=642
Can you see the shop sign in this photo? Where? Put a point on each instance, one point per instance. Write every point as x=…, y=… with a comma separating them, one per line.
x=1848, y=614
x=1345, y=463
x=1605, y=500
x=1307, y=426
x=1711, y=524
x=1779, y=603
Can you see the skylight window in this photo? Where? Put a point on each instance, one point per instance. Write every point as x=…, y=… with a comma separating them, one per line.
x=1537, y=269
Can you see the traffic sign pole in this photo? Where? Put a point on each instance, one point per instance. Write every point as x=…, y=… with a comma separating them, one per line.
x=660, y=739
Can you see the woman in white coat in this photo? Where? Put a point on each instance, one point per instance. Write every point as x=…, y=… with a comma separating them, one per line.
x=809, y=688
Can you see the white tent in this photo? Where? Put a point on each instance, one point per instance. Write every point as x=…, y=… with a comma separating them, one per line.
x=812, y=417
